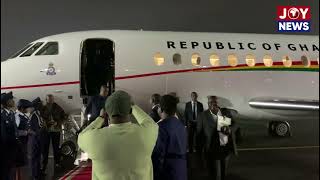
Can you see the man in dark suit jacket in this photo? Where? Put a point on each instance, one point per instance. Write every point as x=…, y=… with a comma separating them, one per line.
x=53, y=117
x=191, y=112
x=169, y=154
x=217, y=145
x=36, y=123
x=96, y=103
x=155, y=101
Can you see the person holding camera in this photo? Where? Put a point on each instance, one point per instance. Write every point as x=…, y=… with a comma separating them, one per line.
x=122, y=150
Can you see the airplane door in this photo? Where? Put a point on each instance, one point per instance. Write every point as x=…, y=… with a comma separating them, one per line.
x=96, y=66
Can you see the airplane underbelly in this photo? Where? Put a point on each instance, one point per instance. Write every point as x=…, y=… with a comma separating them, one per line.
x=234, y=89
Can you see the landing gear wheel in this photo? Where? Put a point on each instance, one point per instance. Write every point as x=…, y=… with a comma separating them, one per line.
x=68, y=148
x=279, y=128
x=68, y=153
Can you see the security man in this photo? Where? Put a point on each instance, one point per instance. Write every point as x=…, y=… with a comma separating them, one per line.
x=2, y=95
x=36, y=123
x=8, y=137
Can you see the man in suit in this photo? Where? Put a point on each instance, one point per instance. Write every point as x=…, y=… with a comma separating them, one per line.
x=36, y=123
x=191, y=112
x=96, y=103
x=169, y=154
x=155, y=101
x=217, y=144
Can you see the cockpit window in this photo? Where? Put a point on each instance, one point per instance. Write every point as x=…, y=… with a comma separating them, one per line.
x=30, y=51
x=51, y=48
x=20, y=51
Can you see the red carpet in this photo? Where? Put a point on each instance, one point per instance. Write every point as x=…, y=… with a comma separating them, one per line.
x=81, y=172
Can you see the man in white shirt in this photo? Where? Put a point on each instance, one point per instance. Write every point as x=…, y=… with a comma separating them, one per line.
x=191, y=112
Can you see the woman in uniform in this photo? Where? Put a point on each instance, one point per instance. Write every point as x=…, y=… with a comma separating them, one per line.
x=23, y=131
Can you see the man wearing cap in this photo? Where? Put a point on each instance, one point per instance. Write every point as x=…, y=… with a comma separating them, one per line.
x=36, y=123
x=8, y=137
x=121, y=151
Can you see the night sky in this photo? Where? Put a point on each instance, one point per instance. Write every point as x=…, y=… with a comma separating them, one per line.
x=23, y=21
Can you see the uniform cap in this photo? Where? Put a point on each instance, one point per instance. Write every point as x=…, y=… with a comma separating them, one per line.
x=23, y=103
x=36, y=101
x=5, y=97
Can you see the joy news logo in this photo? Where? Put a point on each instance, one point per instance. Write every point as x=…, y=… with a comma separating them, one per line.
x=294, y=18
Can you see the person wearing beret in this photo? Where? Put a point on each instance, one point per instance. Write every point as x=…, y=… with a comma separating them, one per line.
x=8, y=137
x=2, y=95
x=36, y=123
x=23, y=131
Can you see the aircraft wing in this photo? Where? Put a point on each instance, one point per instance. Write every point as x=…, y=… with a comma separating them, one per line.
x=284, y=103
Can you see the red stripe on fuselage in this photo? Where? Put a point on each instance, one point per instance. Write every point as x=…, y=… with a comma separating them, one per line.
x=150, y=74
x=40, y=85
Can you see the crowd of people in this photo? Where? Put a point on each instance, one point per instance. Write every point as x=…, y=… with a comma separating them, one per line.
x=26, y=131
x=145, y=146
x=122, y=140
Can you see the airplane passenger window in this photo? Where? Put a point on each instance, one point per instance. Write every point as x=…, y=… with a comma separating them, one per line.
x=214, y=60
x=305, y=61
x=158, y=59
x=177, y=59
x=51, y=48
x=286, y=61
x=195, y=59
x=251, y=60
x=232, y=60
x=22, y=50
x=267, y=60
x=30, y=51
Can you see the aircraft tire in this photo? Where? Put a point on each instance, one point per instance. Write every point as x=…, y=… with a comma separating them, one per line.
x=68, y=148
x=68, y=152
x=281, y=129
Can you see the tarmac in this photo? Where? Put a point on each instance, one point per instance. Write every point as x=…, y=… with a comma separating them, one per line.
x=261, y=156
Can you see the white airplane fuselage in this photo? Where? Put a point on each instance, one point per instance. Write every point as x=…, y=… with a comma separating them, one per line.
x=137, y=73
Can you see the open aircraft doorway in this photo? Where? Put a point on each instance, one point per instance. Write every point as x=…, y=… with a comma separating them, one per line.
x=96, y=66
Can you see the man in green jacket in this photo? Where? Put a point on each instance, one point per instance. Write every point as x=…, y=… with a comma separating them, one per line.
x=121, y=151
